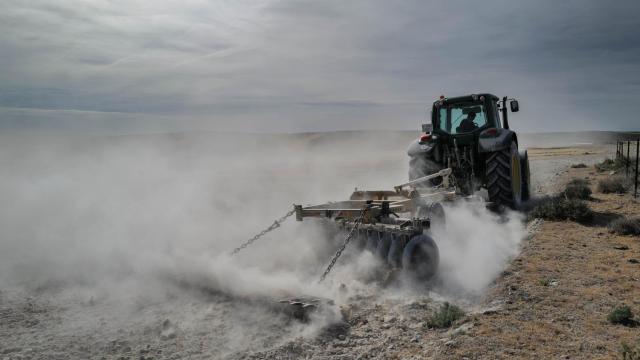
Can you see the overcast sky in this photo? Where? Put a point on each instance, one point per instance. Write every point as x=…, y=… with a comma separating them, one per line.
x=128, y=66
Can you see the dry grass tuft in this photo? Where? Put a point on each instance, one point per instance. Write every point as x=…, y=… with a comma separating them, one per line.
x=614, y=185
x=630, y=353
x=610, y=165
x=626, y=226
x=445, y=316
x=577, y=189
x=561, y=208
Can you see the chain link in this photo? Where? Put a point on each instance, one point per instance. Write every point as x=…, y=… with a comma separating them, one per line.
x=276, y=224
x=353, y=231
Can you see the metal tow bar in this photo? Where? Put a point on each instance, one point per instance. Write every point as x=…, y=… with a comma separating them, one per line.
x=353, y=231
x=276, y=224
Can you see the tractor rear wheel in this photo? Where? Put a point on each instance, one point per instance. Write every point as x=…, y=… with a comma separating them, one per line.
x=526, y=175
x=504, y=177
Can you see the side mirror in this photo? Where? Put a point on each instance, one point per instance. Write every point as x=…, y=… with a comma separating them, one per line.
x=427, y=128
x=514, y=106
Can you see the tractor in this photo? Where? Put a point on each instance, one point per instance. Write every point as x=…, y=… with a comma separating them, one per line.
x=467, y=147
x=468, y=135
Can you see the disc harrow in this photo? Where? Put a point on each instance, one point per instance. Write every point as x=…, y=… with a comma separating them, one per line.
x=393, y=224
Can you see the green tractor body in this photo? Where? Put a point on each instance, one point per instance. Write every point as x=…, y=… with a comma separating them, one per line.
x=471, y=135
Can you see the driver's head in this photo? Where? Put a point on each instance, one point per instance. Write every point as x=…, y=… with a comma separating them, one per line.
x=471, y=116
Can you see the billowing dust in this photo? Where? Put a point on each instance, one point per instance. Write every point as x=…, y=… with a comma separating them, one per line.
x=134, y=233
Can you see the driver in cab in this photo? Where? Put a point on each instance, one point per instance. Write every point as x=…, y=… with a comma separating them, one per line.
x=467, y=125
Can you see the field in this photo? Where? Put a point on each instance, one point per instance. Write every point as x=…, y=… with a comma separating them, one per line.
x=117, y=247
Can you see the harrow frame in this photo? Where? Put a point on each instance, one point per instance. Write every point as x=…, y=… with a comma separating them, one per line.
x=385, y=207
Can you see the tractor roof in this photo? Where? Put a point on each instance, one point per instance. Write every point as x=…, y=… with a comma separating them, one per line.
x=466, y=98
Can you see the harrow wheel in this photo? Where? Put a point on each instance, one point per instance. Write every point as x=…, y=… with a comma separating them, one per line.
x=420, y=257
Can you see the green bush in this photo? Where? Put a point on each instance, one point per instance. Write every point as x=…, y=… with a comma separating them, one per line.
x=445, y=316
x=561, y=208
x=630, y=353
x=610, y=165
x=614, y=185
x=544, y=282
x=621, y=315
x=626, y=226
x=577, y=189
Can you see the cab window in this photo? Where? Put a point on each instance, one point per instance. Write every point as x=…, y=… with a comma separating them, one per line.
x=462, y=118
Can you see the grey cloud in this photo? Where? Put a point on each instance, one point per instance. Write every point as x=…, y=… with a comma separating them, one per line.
x=307, y=65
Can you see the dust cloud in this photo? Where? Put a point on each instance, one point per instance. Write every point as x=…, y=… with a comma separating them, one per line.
x=475, y=247
x=134, y=222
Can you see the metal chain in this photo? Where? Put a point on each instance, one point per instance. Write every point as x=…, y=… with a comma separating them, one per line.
x=353, y=231
x=276, y=224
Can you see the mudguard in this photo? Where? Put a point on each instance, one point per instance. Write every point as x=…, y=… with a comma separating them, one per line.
x=502, y=140
x=416, y=148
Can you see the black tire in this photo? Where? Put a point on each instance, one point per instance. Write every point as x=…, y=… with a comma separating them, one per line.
x=420, y=257
x=382, y=251
x=526, y=175
x=504, y=180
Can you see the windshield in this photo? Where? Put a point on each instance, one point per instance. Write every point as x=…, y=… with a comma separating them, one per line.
x=461, y=118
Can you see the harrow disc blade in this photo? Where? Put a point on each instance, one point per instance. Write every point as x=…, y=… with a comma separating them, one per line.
x=421, y=257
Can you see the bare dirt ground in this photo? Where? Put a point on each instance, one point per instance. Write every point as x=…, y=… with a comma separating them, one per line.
x=551, y=301
x=554, y=298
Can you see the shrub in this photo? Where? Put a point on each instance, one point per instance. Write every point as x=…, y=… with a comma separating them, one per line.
x=612, y=185
x=561, y=208
x=544, y=282
x=626, y=226
x=578, y=182
x=621, y=315
x=630, y=353
x=579, y=166
x=577, y=189
x=445, y=316
x=609, y=165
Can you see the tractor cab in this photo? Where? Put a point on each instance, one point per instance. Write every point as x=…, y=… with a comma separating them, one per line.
x=466, y=118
